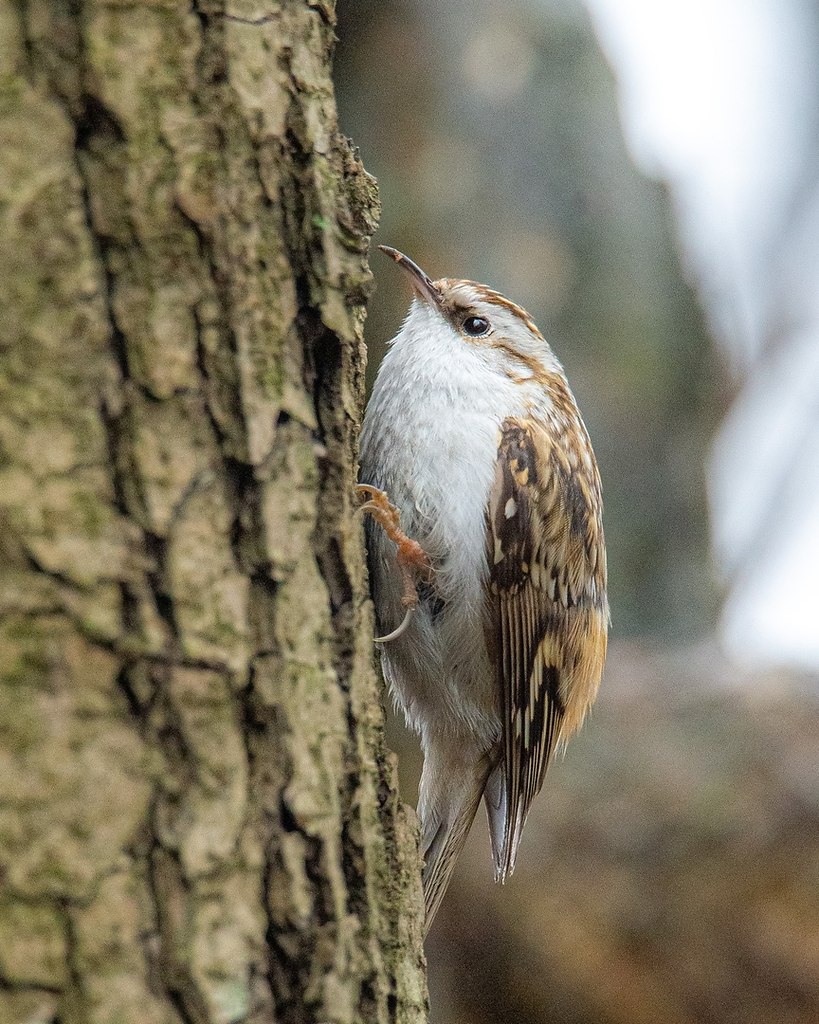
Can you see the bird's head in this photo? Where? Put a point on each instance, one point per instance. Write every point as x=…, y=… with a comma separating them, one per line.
x=482, y=318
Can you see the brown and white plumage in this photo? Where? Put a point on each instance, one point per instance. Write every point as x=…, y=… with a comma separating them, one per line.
x=548, y=604
x=477, y=440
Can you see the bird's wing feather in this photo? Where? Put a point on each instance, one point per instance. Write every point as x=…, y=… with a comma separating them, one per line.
x=547, y=595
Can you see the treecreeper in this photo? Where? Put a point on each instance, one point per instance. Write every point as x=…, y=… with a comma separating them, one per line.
x=487, y=559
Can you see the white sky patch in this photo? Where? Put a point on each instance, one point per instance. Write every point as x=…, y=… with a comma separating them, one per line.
x=716, y=98
x=704, y=88
x=761, y=453
x=775, y=617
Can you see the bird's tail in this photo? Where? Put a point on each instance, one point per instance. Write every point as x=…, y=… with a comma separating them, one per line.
x=504, y=833
x=451, y=788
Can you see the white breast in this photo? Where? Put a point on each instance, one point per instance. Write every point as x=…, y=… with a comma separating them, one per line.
x=430, y=441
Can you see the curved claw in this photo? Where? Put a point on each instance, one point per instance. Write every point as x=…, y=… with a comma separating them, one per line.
x=368, y=489
x=398, y=631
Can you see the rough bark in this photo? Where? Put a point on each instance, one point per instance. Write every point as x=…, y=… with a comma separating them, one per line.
x=198, y=820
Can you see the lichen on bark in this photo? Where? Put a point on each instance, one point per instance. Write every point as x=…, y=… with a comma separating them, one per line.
x=198, y=818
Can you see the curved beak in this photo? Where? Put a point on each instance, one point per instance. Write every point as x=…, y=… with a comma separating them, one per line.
x=421, y=283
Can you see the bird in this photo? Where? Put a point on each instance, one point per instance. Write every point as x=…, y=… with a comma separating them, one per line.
x=487, y=559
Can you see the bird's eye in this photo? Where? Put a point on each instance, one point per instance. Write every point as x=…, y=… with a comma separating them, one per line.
x=476, y=326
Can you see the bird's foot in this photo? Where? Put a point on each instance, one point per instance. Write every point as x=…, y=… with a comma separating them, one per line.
x=413, y=562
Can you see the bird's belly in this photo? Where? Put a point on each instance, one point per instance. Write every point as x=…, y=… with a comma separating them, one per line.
x=440, y=670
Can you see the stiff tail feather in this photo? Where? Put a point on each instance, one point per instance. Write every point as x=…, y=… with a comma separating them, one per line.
x=495, y=801
x=446, y=817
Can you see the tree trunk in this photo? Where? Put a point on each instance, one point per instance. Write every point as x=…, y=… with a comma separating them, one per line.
x=198, y=818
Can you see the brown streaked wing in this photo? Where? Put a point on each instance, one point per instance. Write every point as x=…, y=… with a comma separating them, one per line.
x=547, y=583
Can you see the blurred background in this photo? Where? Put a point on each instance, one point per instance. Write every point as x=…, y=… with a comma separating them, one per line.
x=644, y=179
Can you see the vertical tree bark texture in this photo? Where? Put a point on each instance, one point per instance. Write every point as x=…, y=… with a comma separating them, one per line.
x=198, y=821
